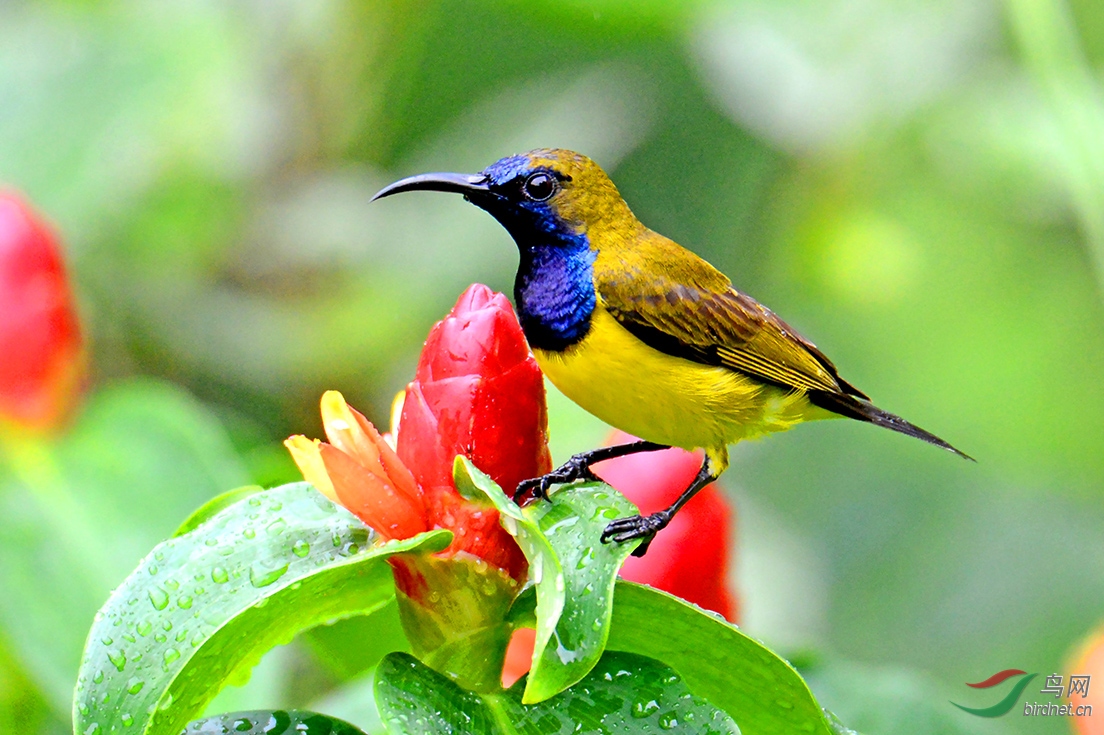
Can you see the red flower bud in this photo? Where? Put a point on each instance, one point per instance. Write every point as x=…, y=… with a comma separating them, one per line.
x=41, y=357
x=477, y=392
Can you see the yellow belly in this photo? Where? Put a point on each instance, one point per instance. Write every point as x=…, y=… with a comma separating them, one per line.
x=666, y=399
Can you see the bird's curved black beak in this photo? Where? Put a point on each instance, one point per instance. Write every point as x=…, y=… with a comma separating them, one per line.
x=470, y=185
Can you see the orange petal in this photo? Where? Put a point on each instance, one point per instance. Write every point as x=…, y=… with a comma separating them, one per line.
x=306, y=454
x=397, y=472
x=347, y=434
x=370, y=498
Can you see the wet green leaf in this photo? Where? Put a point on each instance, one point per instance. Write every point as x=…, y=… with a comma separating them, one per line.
x=272, y=722
x=216, y=504
x=623, y=693
x=201, y=609
x=762, y=692
x=573, y=522
x=573, y=571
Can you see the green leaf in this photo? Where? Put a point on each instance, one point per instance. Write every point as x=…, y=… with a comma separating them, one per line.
x=201, y=609
x=573, y=523
x=623, y=693
x=214, y=506
x=80, y=512
x=573, y=571
x=272, y=722
x=762, y=692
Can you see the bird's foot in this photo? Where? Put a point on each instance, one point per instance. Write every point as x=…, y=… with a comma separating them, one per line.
x=576, y=468
x=637, y=527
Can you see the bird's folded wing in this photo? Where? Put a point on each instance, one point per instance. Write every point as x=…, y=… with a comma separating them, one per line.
x=699, y=316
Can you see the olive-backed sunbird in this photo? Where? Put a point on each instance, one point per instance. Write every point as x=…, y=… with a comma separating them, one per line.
x=643, y=333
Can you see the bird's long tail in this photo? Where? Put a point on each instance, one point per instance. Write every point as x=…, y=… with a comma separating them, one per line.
x=856, y=408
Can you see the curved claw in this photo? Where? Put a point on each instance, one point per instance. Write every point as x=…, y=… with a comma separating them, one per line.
x=574, y=469
x=634, y=527
x=536, y=488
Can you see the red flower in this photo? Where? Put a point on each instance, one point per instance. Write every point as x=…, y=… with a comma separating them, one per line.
x=689, y=559
x=41, y=357
x=477, y=392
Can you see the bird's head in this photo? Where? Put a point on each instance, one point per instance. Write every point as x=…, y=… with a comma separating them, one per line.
x=541, y=196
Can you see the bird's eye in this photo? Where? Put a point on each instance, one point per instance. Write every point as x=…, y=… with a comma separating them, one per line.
x=539, y=186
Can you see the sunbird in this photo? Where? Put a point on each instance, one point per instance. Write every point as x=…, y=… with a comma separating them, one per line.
x=643, y=333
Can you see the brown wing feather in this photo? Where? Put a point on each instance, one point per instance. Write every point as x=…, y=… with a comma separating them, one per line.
x=676, y=302
x=679, y=304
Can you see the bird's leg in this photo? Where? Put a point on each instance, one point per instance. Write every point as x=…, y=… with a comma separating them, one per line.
x=646, y=527
x=578, y=468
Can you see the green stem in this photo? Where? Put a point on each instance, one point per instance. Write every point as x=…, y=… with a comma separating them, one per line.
x=1053, y=57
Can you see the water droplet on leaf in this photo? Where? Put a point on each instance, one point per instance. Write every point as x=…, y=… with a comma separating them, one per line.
x=262, y=576
x=170, y=655
x=158, y=598
x=117, y=658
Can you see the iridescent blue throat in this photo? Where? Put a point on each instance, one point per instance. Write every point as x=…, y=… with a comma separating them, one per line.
x=554, y=290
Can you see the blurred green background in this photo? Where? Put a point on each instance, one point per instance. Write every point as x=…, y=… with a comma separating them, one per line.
x=916, y=186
